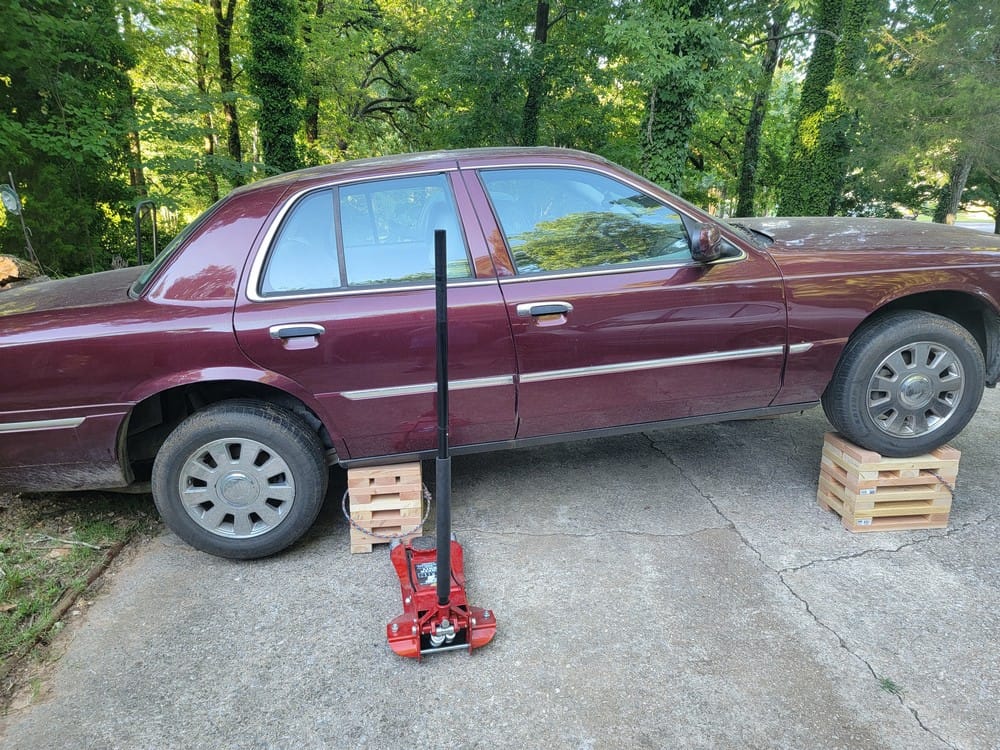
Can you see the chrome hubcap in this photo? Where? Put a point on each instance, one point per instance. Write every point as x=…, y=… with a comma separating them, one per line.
x=236, y=488
x=915, y=389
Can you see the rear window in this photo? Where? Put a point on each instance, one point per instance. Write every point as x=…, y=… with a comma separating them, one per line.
x=140, y=284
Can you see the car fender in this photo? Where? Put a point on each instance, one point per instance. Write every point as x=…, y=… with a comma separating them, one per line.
x=253, y=375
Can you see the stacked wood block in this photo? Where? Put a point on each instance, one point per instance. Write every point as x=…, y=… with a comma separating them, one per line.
x=385, y=500
x=872, y=493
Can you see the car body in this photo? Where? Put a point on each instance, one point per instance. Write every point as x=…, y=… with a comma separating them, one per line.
x=584, y=301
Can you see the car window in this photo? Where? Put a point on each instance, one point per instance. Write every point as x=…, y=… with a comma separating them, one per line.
x=168, y=252
x=303, y=255
x=570, y=219
x=388, y=230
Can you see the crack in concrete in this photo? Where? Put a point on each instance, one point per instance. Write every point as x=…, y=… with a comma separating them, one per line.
x=781, y=577
x=708, y=498
x=945, y=534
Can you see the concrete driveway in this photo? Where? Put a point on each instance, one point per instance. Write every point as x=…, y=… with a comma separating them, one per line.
x=673, y=589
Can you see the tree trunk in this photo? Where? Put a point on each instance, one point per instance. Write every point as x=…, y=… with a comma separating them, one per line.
x=797, y=196
x=207, y=121
x=310, y=113
x=275, y=71
x=224, y=34
x=951, y=195
x=670, y=113
x=821, y=144
x=751, y=137
x=536, y=77
x=666, y=127
x=137, y=175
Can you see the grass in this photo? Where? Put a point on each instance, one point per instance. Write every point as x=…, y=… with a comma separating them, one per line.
x=887, y=684
x=49, y=544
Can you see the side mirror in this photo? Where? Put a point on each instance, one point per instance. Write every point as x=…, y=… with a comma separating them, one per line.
x=706, y=244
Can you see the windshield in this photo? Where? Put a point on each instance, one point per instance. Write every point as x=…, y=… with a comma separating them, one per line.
x=167, y=252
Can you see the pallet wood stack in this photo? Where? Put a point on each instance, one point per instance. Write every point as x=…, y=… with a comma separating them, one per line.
x=872, y=493
x=386, y=500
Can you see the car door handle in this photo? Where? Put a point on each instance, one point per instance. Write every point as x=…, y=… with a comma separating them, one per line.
x=535, y=309
x=296, y=330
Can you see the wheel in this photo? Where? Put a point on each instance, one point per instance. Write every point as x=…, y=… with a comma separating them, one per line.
x=906, y=383
x=240, y=479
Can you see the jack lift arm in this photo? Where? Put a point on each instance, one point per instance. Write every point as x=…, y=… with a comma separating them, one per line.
x=436, y=614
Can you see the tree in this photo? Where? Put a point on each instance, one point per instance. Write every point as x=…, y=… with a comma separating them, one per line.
x=225, y=15
x=673, y=47
x=931, y=100
x=817, y=166
x=358, y=95
x=750, y=155
x=275, y=70
x=65, y=117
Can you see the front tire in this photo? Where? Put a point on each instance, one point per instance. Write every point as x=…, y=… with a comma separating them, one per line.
x=906, y=384
x=240, y=479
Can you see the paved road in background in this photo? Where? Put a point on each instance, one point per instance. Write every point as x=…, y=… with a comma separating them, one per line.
x=674, y=589
x=982, y=226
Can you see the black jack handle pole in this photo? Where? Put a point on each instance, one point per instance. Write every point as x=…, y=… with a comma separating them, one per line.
x=443, y=463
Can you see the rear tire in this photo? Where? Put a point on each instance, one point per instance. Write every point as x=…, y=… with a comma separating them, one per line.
x=906, y=384
x=240, y=479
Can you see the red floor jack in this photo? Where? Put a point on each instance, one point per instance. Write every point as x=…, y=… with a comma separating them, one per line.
x=436, y=615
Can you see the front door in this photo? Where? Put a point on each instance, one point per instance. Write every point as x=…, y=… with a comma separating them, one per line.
x=613, y=322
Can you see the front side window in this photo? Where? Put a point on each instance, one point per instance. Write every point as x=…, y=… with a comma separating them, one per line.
x=558, y=219
x=388, y=230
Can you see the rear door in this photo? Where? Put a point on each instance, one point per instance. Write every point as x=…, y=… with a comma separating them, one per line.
x=341, y=301
x=613, y=322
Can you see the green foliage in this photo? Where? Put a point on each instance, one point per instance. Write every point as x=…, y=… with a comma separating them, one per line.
x=275, y=69
x=931, y=96
x=182, y=100
x=672, y=47
x=64, y=119
x=484, y=80
x=822, y=140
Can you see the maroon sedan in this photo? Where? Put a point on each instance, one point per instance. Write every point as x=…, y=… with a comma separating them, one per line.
x=292, y=327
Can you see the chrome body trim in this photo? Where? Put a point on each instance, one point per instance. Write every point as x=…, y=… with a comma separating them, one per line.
x=295, y=330
x=800, y=348
x=651, y=364
x=42, y=424
x=336, y=181
x=549, y=307
x=550, y=275
x=419, y=388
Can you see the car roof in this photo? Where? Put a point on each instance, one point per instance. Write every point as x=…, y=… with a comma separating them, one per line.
x=423, y=158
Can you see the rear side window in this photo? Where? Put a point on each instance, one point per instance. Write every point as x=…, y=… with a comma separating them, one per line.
x=388, y=230
x=376, y=233
x=558, y=219
x=303, y=255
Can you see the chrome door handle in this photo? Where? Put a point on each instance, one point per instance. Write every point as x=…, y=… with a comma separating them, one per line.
x=296, y=330
x=534, y=309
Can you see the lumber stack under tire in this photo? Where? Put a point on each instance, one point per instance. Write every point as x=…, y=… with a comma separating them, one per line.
x=873, y=493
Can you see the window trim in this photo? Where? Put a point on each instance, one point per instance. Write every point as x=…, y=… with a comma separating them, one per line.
x=259, y=263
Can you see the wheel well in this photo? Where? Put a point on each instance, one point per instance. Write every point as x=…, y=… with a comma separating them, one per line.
x=153, y=419
x=970, y=312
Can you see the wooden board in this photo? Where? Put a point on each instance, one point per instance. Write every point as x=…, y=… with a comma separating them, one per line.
x=872, y=493
x=385, y=500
